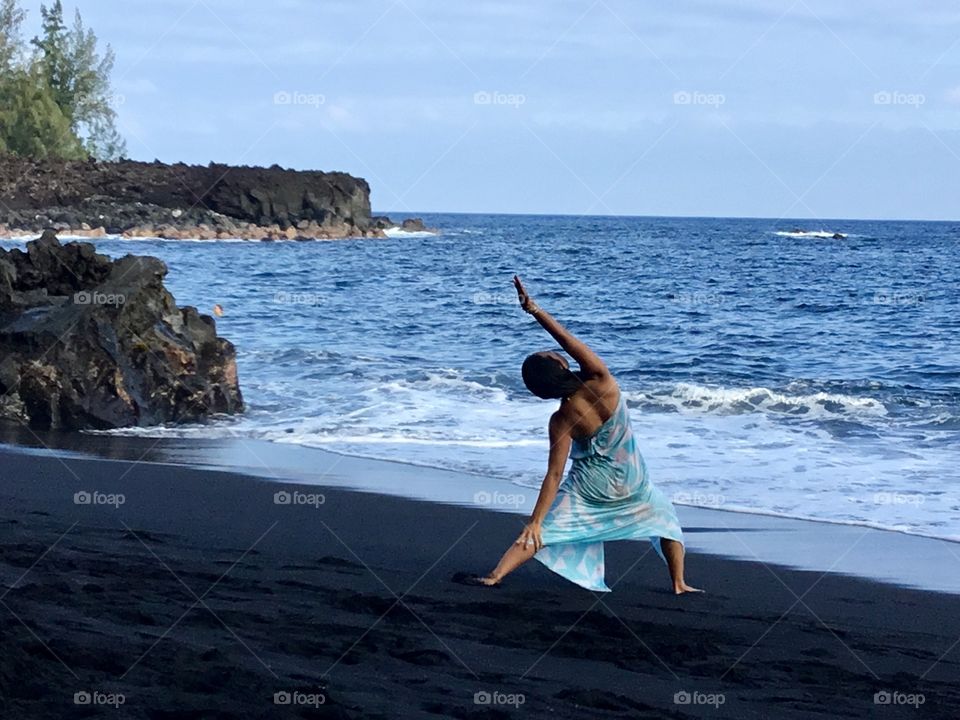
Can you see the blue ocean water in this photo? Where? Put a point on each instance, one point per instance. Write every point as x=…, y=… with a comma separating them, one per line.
x=765, y=370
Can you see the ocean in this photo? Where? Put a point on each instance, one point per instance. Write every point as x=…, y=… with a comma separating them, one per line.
x=766, y=370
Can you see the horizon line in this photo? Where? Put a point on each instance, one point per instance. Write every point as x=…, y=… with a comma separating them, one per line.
x=414, y=213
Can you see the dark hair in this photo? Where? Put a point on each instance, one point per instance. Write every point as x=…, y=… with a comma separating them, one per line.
x=546, y=378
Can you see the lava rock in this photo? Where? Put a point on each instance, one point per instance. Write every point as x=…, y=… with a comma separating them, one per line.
x=413, y=225
x=127, y=196
x=92, y=343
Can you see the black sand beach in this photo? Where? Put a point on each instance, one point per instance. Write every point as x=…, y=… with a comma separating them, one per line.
x=201, y=597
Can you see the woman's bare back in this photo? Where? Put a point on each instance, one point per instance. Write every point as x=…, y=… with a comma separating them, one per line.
x=590, y=407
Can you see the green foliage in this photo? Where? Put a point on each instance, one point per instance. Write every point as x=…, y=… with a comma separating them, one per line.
x=31, y=122
x=11, y=18
x=57, y=100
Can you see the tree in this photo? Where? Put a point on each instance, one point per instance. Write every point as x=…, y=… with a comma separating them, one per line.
x=31, y=122
x=79, y=78
x=11, y=19
x=56, y=101
x=93, y=115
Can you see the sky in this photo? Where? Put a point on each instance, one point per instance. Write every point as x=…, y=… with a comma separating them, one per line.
x=809, y=109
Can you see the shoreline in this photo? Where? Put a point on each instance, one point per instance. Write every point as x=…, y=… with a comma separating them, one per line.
x=199, y=595
x=252, y=232
x=910, y=560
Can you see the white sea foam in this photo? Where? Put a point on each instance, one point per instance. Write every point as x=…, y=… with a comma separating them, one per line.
x=399, y=233
x=826, y=234
x=699, y=399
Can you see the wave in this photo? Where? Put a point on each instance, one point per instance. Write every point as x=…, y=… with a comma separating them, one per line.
x=399, y=233
x=62, y=237
x=444, y=409
x=691, y=398
x=688, y=398
x=449, y=382
x=826, y=234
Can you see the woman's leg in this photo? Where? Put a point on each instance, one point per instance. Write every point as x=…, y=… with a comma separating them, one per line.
x=514, y=557
x=673, y=552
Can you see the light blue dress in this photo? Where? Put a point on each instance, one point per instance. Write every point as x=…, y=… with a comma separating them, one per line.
x=607, y=495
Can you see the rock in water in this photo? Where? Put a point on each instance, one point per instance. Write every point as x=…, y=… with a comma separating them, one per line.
x=413, y=225
x=91, y=343
x=416, y=225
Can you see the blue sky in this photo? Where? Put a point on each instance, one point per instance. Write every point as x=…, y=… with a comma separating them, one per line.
x=805, y=108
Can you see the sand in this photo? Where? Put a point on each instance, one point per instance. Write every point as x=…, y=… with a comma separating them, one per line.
x=191, y=593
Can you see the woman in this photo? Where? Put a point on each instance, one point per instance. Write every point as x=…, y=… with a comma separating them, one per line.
x=607, y=495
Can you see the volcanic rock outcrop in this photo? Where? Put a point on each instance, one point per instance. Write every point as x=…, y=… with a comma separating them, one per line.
x=87, y=342
x=139, y=199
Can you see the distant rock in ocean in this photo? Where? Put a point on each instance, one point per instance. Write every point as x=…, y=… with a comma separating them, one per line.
x=382, y=222
x=138, y=199
x=414, y=225
x=87, y=342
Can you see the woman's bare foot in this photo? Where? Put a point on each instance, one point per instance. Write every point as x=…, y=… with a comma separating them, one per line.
x=465, y=578
x=673, y=553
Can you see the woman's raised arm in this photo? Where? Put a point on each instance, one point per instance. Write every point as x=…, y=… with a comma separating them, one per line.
x=586, y=358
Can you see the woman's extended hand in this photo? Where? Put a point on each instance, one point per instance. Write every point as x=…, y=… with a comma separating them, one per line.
x=530, y=535
x=526, y=302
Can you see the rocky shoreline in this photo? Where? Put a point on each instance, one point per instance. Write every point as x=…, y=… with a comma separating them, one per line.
x=145, y=200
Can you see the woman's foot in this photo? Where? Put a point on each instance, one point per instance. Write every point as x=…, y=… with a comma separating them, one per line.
x=474, y=580
x=681, y=588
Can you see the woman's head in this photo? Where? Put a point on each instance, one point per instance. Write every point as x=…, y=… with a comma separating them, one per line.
x=548, y=376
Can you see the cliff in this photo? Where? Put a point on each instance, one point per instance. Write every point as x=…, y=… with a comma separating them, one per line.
x=139, y=199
